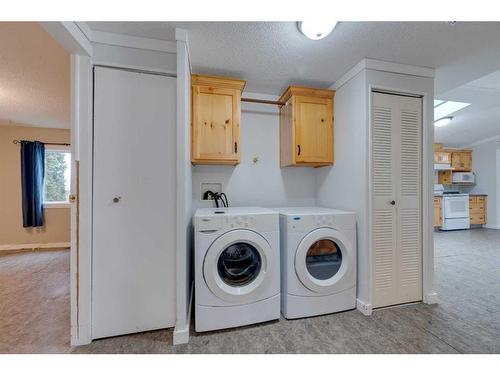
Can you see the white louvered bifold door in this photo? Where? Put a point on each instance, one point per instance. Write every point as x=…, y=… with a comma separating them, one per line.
x=396, y=197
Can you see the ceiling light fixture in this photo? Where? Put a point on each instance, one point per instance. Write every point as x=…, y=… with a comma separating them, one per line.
x=316, y=29
x=442, y=122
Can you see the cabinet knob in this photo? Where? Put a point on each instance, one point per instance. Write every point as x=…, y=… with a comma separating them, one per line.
x=392, y=203
x=116, y=199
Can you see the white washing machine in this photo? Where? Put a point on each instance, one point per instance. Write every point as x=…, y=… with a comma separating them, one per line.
x=237, y=267
x=318, y=260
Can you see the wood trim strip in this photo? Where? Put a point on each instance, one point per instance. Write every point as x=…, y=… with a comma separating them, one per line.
x=35, y=246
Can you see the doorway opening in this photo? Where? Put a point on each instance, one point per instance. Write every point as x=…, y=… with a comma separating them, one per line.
x=36, y=173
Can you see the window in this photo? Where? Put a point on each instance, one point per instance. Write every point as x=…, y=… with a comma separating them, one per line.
x=57, y=176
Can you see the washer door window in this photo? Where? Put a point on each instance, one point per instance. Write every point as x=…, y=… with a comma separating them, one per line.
x=239, y=264
x=323, y=258
x=236, y=266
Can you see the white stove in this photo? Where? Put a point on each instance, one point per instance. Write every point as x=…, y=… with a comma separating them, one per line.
x=455, y=211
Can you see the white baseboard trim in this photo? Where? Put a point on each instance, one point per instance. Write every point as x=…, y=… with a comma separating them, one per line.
x=431, y=298
x=364, y=308
x=35, y=246
x=490, y=226
x=80, y=340
x=181, y=334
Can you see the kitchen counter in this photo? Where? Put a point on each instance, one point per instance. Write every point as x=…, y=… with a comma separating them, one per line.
x=471, y=195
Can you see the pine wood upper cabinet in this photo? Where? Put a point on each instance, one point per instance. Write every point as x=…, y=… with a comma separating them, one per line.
x=215, y=120
x=306, y=127
x=442, y=157
x=461, y=161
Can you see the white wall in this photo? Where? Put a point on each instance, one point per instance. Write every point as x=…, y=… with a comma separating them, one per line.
x=184, y=194
x=344, y=185
x=486, y=166
x=265, y=183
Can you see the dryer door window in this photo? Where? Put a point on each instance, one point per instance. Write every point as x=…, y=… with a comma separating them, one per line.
x=239, y=264
x=323, y=259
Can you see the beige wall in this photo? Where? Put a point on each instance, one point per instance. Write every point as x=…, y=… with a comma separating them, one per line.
x=57, y=220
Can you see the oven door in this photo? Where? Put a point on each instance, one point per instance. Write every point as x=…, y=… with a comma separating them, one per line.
x=456, y=207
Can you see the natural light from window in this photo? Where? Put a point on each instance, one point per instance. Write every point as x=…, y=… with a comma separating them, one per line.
x=444, y=108
x=57, y=176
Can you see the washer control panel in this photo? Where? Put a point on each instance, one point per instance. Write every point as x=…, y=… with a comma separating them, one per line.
x=258, y=223
x=241, y=221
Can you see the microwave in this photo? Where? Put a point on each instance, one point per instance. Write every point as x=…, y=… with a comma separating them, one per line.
x=463, y=178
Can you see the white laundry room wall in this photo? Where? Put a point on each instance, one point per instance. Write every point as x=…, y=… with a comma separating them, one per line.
x=262, y=183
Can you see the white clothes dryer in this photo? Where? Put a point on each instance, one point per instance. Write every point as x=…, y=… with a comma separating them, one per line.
x=318, y=260
x=237, y=267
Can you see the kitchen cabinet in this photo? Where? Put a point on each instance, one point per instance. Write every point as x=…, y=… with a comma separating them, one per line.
x=445, y=177
x=438, y=212
x=442, y=157
x=461, y=160
x=215, y=119
x=306, y=127
x=477, y=209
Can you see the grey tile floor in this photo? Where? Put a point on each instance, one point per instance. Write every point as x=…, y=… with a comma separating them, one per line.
x=34, y=317
x=467, y=319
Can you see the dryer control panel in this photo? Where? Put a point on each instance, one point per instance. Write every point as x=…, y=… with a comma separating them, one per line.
x=345, y=221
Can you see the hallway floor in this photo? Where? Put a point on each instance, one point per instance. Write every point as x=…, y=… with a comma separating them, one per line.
x=34, y=302
x=467, y=319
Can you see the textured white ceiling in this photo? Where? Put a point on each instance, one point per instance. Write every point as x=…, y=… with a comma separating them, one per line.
x=34, y=77
x=272, y=55
x=480, y=120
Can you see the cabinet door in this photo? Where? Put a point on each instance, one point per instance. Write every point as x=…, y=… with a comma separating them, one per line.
x=466, y=161
x=441, y=157
x=216, y=122
x=313, y=130
x=396, y=196
x=461, y=161
x=456, y=161
x=437, y=212
x=445, y=177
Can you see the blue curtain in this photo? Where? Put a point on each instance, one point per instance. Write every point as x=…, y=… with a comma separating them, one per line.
x=32, y=176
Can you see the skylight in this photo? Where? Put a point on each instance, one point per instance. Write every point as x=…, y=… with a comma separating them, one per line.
x=445, y=108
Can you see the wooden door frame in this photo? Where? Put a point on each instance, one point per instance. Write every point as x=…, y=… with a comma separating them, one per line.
x=429, y=294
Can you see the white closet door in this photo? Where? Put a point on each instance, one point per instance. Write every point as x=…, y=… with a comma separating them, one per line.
x=133, y=278
x=396, y=193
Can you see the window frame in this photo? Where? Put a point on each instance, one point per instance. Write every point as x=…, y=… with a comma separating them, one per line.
x=58, y=204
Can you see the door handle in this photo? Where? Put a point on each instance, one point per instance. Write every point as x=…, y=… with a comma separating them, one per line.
x=116, y=199
x=392, y=203
x=298, y=147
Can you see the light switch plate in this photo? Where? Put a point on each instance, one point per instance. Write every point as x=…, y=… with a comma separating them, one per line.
x=216, y=187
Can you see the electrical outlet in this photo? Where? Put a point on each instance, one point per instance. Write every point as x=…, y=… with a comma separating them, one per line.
x=215, y=187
